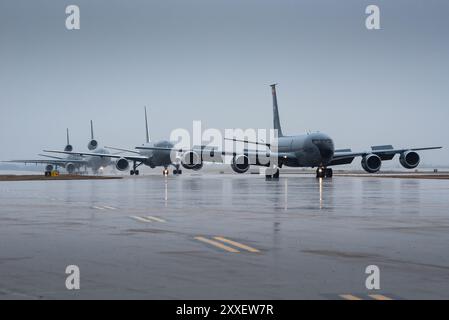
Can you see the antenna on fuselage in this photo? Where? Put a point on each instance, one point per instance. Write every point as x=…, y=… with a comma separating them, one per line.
x=276, y=121
x=146, y=126
x=68, y=138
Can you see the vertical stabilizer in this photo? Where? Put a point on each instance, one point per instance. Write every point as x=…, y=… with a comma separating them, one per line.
x=146, y=126
x=91, y=130
x=276, y=121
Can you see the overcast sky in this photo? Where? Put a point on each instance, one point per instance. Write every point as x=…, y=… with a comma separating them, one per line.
x=213, y=60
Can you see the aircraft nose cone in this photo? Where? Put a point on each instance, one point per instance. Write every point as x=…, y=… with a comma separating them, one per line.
x=326, y=148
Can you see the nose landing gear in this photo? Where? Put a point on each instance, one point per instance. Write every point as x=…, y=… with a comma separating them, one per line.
x=323, y=172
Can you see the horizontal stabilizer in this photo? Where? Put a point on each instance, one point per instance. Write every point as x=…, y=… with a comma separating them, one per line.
x=343, y=150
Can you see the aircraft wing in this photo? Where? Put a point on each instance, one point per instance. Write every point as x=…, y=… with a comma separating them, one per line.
x=210, y=151
x=58, y=162
x=101, y=155
x=386, y=152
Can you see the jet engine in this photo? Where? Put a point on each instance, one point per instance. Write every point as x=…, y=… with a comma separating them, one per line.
x=68, y=148
x=70, y=167
x=409, y=159
x=191, y=160
x=371, y=163
x=240, y=163
x=93, y=144
x=49, y=168
x=122, y=164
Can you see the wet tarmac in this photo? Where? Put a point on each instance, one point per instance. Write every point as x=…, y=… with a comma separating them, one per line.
x=225, y=237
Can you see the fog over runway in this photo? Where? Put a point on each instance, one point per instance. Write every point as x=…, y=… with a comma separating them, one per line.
x=225, y=237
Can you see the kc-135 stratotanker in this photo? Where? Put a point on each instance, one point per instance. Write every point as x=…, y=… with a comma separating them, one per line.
x=313, y=150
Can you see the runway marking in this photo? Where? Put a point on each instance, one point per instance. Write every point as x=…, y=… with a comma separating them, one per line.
x=110, y=208
x=148, y=219
x=350, y=297
x=104, y=208
x=141, y=219
x=237, y=244
x=217, y=244
x=155, y=219
x=379, y=297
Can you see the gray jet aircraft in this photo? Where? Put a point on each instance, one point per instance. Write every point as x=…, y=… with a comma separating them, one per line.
x=313, y=150
x=156, y=155
x=73, y=162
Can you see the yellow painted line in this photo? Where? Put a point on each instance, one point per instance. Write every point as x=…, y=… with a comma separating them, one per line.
x=155, y=219
x=216, y=244
x=379, y=297
x=237, y=244
x=350, y=297
x=141, y=219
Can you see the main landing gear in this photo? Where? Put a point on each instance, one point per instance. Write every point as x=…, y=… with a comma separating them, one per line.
x=274, y=175
x=322, y=172
x=134, y=171
x=177, y=170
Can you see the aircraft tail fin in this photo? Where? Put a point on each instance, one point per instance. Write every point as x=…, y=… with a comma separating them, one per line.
x=276, y=121
x=68, y=146
x=91, y=130
x=146, y=126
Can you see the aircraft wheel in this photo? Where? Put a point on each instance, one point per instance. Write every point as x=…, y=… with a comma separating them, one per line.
x=328, y=173
x=131, y=172
x=276, y=175
x=320, y=173
x=137, y=172
x=179, y=171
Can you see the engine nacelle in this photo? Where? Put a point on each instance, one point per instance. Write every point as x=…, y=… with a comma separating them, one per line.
x=409, y=159
x=93, y=144
x=240, y=163
x=49, y=168
x=70, y=167
x=371, y=163
x=68, y=148
x=122, y=164
x=191, y=160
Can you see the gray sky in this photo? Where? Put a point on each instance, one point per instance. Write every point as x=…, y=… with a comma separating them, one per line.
x=213, y=61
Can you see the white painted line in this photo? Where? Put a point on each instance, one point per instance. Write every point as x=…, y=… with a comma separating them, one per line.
x=155, y=219
x=98, y=208
x=217, y=244
x=110, y=208
x=237, y=244
x=141, y=219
